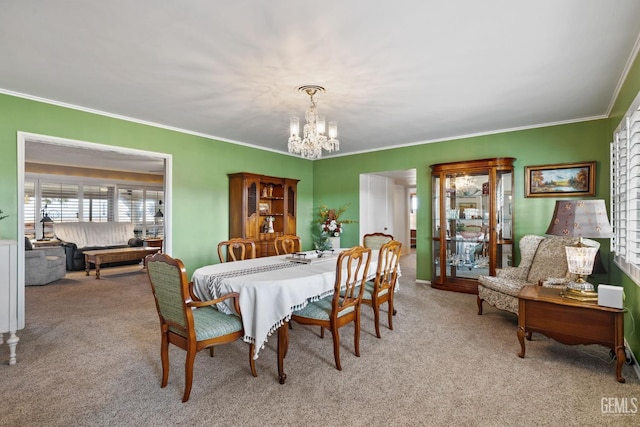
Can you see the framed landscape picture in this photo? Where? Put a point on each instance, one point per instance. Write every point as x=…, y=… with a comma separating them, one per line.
x=564, y=179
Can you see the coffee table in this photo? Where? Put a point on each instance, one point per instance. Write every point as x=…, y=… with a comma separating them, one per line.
x=568, y=321
x=100, y=256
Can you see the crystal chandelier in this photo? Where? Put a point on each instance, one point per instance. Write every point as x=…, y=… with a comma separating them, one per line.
x=314, y=138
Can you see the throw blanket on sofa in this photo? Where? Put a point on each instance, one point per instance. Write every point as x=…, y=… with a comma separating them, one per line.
x=91, y=234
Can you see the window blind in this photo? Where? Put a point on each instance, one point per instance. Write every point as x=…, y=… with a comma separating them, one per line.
x=625, y=192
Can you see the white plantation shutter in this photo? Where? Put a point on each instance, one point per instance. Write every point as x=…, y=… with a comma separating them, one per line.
x=618, y=191
x=625, y=192
x=633, y=191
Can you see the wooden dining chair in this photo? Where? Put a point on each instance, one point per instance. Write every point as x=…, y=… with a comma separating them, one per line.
x=187, y=322
x=343, y=307
x=287, y=244
x=236, y=249
x=375, y=240
x=381, y=289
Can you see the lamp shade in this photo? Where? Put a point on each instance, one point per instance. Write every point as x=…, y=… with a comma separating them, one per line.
x=580, y=218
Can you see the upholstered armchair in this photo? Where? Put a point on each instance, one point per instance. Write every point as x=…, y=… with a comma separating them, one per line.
x=543, y=261
x=43, y=265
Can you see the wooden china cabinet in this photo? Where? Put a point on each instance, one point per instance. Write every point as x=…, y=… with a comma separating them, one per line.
x=261, y=208
x=472, y=228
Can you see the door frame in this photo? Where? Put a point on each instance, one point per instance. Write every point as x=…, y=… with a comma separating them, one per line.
x=24, y=138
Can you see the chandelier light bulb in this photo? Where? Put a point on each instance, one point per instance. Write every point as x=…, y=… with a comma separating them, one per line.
x=295, y=126
x=333, y=130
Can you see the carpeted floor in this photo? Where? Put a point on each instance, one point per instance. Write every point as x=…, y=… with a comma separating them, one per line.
x=89, y=355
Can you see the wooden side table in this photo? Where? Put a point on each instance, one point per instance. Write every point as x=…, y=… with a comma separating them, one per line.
x=155, y=242
x=46, y=243
x=569, y=321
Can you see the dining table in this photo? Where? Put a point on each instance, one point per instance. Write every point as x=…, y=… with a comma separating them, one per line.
x=270, y=289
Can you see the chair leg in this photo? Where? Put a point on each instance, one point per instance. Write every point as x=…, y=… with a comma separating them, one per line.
x=321, y=332
x=164, y=356
x=356, y=332
x=479, y=301
x=188, y=373
x=376, y=317
x=336, y=346
x=211, y=351
x=391, y=313
x=252, y=362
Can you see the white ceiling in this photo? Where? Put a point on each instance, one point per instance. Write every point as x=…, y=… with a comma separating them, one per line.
x=396, y=73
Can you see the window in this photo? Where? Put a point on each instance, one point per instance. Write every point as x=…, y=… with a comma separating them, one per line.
x=67, y=200
x=625, y=192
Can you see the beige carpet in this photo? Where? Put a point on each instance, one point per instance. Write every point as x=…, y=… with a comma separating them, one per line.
x=89, y=355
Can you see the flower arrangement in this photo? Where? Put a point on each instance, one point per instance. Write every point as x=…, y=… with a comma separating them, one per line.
x=330, y=222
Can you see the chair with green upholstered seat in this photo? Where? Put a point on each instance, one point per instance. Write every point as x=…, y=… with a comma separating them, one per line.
x=187, y=322
x=375, y=240
x=343, y=307
x=381, y=289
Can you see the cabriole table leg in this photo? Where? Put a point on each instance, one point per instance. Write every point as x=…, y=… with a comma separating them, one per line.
x=521, y=339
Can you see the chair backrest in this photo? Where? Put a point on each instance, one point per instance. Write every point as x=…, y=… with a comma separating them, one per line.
x=375, y=240
x=352, y=269
x=528, y=246
x=388, y=261
x=170, y=288
x=287, y=244
x=550, y=260
x=236, y=249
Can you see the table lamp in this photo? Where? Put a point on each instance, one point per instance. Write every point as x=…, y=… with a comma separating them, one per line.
x=580, y=218
x=45, y=218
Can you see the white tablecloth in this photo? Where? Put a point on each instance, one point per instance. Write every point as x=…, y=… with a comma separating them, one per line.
x=267, y=298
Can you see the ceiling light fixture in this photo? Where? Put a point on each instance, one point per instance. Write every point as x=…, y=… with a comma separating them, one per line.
x=314, y=139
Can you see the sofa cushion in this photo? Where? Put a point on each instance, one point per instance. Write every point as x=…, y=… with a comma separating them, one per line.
x=94, y=234
x=505, y=285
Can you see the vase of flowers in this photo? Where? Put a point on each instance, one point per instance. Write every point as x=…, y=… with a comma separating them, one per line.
x=330, y=224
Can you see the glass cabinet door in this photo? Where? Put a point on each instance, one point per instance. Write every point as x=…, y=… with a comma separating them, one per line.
x=504, y=219
x=467, y=225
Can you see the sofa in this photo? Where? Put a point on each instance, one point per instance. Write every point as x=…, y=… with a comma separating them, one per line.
x=77, y=237
x=543, y=261
x=43, y=265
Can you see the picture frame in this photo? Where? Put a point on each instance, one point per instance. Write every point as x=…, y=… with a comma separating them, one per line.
x=562, y=179
x=263, y=208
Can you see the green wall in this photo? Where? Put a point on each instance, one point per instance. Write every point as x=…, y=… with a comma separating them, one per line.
x=200, y=168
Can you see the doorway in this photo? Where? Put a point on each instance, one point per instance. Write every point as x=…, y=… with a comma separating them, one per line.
x=385, y=205
x=89, y=155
